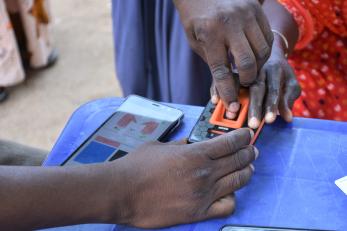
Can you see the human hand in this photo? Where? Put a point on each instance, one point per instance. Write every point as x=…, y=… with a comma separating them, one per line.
x=174, y=183
x=278, y=83
x=217, y=28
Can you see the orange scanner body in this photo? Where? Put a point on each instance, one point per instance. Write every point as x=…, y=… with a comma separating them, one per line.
x=213, y=122
x=218, y=116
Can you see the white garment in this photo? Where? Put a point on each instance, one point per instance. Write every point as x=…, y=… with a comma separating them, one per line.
x=11, y=70
x=35, y=18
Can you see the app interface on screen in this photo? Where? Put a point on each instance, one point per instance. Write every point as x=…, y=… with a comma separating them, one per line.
x=134, y=123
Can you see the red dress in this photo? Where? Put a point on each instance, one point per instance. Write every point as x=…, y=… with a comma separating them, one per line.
x=320, y=57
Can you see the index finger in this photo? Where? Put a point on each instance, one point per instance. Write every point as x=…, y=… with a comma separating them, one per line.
x=226, y=144
x=217, y=58
x=244, y=58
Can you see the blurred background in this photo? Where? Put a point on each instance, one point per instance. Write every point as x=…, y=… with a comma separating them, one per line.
x=37, y=110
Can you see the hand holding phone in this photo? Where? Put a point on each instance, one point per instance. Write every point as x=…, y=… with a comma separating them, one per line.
x=136, y=121
x=164, y=176
x=172, y=183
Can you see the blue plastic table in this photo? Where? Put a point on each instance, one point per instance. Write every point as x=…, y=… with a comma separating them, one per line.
x=293, y=185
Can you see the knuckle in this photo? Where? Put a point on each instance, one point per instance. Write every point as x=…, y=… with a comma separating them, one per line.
x=249, y=10
x=247, y=81
x=238, y=159
x=196, y=47
x=230, y=143
x=261, y=78
x=203, y=173
x=249, y=16
x=200, y=193
x=264, y=52
x=246, y=8
x=243, y=177
x=227, y=93
x=217, y=189
x=254, y=3
x=203, y=29
x=273, y=92
x=246, y=62
x=223, y=17
x=239, y=9
x=256, y=8
x=236, y=181
x=220, y=71
x=246, y=155
x=260, y=84
x=273, y=65
x=250, y=154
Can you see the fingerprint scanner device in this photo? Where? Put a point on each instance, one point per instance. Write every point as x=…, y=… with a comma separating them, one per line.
x=218, y=116
x=213, y=122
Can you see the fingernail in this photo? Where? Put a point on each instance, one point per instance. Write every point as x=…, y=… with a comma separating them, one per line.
x=252, y=167
x=256, y=152
x=234, y=107
x=230, y=115
x=270, y=117
x=253, y=123
x=214, y=99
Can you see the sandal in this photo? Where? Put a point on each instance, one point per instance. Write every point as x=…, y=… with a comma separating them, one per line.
x=52, y=59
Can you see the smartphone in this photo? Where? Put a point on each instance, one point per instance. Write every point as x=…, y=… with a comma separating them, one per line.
x=254, y=228
x=213, y=122
x=136, y=121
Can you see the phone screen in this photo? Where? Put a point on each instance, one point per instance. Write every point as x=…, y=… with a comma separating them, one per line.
x=136, y=121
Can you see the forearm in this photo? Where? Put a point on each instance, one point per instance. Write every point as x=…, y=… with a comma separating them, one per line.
x=37, y=197
x=17, y=154
x=281, y=20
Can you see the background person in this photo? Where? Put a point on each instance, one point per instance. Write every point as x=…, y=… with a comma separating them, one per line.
x=320, y=56
x=154, y=58
x=317, y=31
x=25, y=40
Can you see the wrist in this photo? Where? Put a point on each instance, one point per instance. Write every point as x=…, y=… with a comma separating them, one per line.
x=101, y=194
x=280, y=43
x=278, y=48
x=116, y=195
x=91, y=193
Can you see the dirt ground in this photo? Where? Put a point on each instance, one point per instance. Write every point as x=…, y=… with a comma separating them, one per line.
x=38, y=109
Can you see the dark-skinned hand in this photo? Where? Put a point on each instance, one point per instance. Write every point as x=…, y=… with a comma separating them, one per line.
x=275, y=90
x=178, y=183
x=216, y=29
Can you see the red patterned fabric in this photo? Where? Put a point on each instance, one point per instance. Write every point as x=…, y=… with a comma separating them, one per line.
x=320, y=57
